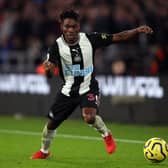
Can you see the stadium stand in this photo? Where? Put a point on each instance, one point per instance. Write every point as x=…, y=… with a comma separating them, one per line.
x=28, y=27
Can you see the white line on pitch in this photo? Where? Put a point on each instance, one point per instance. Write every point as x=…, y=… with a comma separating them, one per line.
x=6, y=131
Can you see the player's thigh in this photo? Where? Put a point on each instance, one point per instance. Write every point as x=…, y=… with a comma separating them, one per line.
x=62, y=107
x=90, y=100
x=89, y=105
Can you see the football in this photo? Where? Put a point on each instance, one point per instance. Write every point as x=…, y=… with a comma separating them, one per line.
x=155, y=150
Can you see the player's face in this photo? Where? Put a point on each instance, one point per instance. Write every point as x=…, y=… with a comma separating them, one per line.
x=70, y=29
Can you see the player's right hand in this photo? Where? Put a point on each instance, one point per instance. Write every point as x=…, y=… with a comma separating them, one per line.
x=48, y=66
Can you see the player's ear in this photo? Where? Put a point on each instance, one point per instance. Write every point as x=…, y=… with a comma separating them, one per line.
x=78, y=27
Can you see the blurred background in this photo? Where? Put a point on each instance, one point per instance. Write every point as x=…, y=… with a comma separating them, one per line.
x=133, y=76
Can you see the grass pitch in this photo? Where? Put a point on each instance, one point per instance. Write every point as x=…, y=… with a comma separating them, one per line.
x=77, y=145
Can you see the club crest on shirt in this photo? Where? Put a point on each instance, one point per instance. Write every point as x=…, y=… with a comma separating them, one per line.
x=76, y=55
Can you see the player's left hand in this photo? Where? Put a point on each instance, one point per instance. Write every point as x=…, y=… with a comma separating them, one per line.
x=144, y=29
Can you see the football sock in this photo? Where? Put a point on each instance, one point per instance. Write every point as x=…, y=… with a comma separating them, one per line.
x=47, y=136
x=100, y=126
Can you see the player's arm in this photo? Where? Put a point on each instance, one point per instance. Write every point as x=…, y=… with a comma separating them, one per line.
x=48, y=67
x=50, y=62
x=129, y=34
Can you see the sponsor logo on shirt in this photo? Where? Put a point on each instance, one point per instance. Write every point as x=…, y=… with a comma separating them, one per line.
x=74, y=70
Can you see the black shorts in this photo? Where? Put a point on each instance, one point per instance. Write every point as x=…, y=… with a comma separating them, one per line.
x=64, y=106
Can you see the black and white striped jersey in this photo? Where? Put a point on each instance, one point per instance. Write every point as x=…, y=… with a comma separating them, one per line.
x=76, y=62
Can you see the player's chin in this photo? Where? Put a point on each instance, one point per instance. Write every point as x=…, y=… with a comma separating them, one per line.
x=71, y=39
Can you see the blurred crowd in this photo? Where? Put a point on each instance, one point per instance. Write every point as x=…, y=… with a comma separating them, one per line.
x=28, y=28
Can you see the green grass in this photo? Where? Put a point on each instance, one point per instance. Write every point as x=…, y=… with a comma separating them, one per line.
x=16, y=149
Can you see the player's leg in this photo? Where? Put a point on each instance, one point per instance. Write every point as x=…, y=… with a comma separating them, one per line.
x=90, y=117
x=60, y=111
x=47, y=136
x=89, y=105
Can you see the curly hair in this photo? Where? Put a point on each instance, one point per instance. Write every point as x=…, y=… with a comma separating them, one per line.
x=69, y=14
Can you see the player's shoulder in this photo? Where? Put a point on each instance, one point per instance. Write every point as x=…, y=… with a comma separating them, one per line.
x=82, y=34
x=58, y=39
x=54, y=45
x=88, y=35
x=94, y=34
x=91, y=33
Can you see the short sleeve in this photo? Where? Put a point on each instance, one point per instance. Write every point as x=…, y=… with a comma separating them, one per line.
x=100, y=39
x=53, y=53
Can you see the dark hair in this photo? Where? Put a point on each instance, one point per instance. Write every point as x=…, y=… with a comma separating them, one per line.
x=69, y=14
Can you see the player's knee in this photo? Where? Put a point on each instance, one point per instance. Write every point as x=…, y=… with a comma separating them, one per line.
x=89, y=119
x=89, y=115
x=52, y=124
